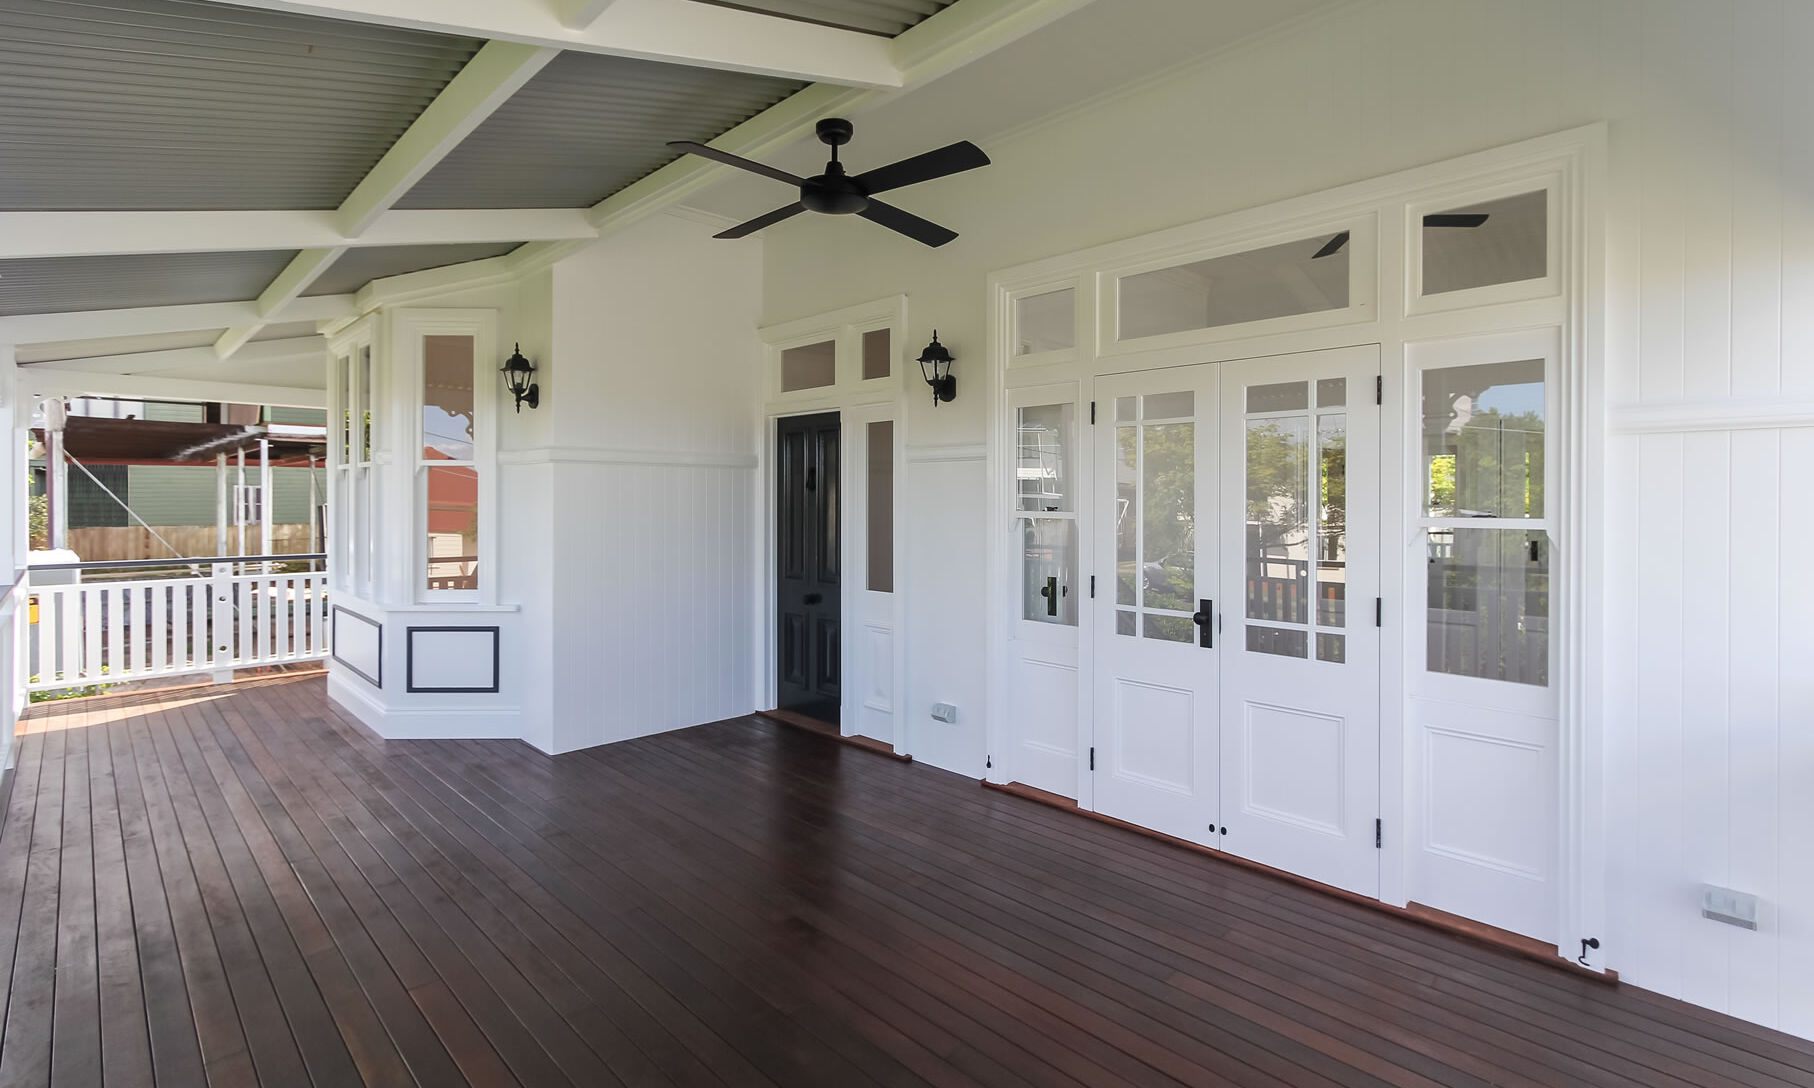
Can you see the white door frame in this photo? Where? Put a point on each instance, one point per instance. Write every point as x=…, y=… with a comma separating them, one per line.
x=1382, y=215
x=857, y=402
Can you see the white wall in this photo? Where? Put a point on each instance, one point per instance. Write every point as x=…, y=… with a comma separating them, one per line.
x=1710, y=686
x=652, y=396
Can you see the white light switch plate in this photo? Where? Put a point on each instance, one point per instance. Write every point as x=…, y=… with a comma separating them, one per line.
x=944, y=712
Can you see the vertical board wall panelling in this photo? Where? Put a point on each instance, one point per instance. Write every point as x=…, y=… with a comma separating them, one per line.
x=1794, y=944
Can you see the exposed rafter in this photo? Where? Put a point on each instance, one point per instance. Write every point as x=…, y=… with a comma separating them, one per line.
x=674, y=31
x=312, y=348
x=495, y=73
x=149, y=320
x=44, y=379
x=77, y=234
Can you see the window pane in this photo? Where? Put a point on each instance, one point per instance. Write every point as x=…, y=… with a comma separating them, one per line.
x=1169, y=628
x=1489, y=604
x=1046, y=322
x=1283, y=397
x=1049, y=570
x=368, y=402
x=1483, y=440
x=878, y=354
x=343, y=385
x=451, y=505
x=813, y=366
x=1042, y=467
x=1332, y=531
x=1331, y=392
x=1168, y=484
x=1278, y=520
x=881, y=506
x=1277, y=281
x=1281, y=641
x=1331, y=648
x=1127, y=516
x=1180, y=405
x=1499, y=241
x=447, y=398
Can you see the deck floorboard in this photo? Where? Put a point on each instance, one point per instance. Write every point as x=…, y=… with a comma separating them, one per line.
x=241, y=885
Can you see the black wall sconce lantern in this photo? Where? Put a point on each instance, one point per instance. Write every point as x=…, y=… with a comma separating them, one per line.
x=936, y=362
x=518, y=378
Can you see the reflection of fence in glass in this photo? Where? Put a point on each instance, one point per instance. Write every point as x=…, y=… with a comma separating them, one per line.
x=1488, y=604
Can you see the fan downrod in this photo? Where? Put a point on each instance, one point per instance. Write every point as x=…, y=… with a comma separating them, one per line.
x=834, y=192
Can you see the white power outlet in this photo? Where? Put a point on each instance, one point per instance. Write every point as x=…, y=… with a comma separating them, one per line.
x=944, y=712
x=1734, y=908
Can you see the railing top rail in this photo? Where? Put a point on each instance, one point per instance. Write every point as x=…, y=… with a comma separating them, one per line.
x=197, y=561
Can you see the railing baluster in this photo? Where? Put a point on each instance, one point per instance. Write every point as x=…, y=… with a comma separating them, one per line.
x=159, y=626
x=93, y=626
x=293, y=605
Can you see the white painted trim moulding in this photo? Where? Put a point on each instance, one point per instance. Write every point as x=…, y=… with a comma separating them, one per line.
x=935, y=454
x=679, y=459
x=1725, y=415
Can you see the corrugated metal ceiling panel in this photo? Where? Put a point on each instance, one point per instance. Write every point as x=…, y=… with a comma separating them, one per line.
x=888, y=17
x=585, y=127
x=176, y=104
x=358, y=267
x=58, y=284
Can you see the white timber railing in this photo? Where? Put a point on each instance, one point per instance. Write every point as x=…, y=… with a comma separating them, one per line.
x=121, y=622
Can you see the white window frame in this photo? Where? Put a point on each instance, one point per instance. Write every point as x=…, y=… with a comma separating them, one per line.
x=408, y=329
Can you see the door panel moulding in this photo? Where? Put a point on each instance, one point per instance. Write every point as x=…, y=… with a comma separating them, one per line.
x=1571, y=164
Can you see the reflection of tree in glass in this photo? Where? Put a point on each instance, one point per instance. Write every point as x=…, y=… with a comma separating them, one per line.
x=1276, y=474
x=1169, y=515
x=1492, y=466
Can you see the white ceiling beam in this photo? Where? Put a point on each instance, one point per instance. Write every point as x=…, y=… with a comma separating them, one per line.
x=44, y=380
x=148, y=320
x=497, y=71
x=674, y=31
x=154, y=362
x=578, y=14
x=83, y=234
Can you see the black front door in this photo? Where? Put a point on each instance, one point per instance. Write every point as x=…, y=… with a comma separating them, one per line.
x=806, y=576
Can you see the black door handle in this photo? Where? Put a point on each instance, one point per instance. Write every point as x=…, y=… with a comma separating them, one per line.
x=812, y=598
x=1050, y=592
x=1205, y=619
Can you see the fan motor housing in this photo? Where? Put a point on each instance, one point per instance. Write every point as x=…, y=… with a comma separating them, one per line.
x=833, y=194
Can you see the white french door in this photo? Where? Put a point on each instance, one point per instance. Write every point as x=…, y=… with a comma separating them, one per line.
x=1155, y=757
x=1236, y=657
x=1300, y=576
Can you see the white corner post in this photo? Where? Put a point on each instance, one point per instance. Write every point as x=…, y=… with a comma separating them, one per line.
x=314, y=501
x=56, y=475
x=239, y=501
x=220, y=504
x=264, y=499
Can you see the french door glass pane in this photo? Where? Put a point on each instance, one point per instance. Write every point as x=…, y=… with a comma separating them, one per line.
x=1048, y=570
x=1043, y=465
x=881, y=506
x=1483, y=440
x=1498, y=241
x=451, y=505
x=1332, y=528
x=447, y=398
x=1168, y=523
x=1170, y=628
x=1045, y=322
x=1489, y=604
x=1278, y=519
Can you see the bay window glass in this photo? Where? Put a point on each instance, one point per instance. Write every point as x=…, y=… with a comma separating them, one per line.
x=447, y=477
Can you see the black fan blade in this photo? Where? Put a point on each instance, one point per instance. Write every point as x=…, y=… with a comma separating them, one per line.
x=1455, y=219
x=769, y=220
x=920, y=230
x=1331, y=247
x=738, y=161
x=955, y=159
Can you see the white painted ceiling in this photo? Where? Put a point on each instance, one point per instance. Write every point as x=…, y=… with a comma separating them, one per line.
x=1094, y=51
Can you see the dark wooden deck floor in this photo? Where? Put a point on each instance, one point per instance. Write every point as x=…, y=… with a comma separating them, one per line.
x=235, y=886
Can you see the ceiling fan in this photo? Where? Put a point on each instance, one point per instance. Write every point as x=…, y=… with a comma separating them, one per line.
x=1441, y=219
x=836, y=193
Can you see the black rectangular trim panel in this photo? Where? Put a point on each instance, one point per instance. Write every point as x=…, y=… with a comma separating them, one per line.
x=409, y=662
x=375, y=681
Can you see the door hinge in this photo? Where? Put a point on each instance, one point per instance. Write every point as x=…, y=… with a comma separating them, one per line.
x=1379, y=612
x=1092, y=587
x=1092, y=758
x=1379, y=389
x=1092, y=413
x=1379, y=835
